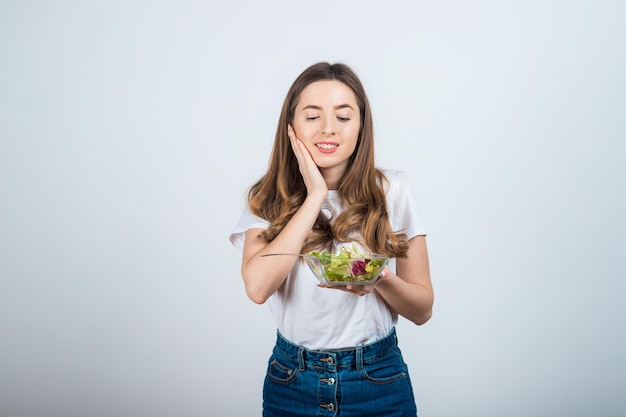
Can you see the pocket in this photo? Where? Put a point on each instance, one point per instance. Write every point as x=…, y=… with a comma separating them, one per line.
x=281, y=372
x=385, y=369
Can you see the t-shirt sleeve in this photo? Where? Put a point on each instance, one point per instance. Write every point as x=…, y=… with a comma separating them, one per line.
x=403, y=206
x=246, y=221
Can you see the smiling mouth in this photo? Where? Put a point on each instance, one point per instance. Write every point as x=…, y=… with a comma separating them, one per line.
x=326, y=145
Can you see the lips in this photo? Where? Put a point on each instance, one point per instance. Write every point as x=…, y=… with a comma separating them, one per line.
x=327, y=147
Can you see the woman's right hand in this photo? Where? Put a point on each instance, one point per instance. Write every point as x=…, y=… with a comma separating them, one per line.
x=313, y=179
x=264, y=275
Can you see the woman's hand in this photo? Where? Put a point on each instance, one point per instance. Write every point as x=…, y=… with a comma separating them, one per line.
x=354, y=289
x=313, y=179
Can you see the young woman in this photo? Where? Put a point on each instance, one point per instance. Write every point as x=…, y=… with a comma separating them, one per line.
x=336, y=351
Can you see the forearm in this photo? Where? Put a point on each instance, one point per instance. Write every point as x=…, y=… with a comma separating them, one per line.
x=411, y=300
x=409, y=291
x=264, y=275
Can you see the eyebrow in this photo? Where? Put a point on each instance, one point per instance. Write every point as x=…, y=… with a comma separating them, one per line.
x=314, y=107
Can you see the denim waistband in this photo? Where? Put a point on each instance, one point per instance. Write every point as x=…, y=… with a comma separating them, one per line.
x=337, y=357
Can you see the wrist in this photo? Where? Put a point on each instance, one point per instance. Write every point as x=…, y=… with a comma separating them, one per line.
x=317, y=196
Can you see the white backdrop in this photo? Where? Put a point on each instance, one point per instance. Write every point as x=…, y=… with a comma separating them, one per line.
x=129, y=133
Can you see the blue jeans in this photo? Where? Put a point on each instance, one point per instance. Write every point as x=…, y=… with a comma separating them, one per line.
x=368, y=380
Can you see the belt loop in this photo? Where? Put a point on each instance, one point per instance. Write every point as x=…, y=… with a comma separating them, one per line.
x=359, y=358
x=301, y=359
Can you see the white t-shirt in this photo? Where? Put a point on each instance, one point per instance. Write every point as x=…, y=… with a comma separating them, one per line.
x=325, y=318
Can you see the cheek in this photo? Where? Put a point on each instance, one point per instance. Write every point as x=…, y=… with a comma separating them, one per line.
x=304, y=131
x=351, y=133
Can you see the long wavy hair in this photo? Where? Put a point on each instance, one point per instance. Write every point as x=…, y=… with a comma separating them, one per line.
x=281, y=191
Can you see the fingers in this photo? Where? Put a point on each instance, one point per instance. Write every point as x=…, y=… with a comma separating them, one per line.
x=311, y=174
x=359, y=290
x=293, y=139
x=301, y=152
x=384, y=274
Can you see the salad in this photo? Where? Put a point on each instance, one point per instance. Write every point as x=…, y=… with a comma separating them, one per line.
x=350, y=265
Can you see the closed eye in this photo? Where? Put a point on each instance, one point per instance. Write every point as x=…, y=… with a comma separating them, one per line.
x=343, y=119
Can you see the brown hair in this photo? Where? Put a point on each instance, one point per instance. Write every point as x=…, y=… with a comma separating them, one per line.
x=281, y=191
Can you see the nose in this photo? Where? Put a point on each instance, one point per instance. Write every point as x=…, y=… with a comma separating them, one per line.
x=329, y=128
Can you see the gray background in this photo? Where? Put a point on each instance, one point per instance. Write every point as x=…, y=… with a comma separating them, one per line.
x=129, y=133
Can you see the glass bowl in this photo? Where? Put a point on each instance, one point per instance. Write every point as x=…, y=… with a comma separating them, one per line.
x=331, y=269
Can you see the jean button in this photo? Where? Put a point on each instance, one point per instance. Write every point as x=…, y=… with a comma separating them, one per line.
x=331, y=381
x=330, y=360
x=329, y=406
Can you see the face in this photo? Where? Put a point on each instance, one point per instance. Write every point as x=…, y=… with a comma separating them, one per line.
x=327, y=120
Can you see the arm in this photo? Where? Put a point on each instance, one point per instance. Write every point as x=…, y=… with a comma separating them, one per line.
x=262, y=276
x=410, y=292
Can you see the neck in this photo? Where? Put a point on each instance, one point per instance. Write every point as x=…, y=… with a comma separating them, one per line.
x=332, y=177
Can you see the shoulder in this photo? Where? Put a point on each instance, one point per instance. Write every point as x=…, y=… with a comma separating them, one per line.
x=394, y=174
x=394, y=180
x=246, y=221
x=402, y=204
